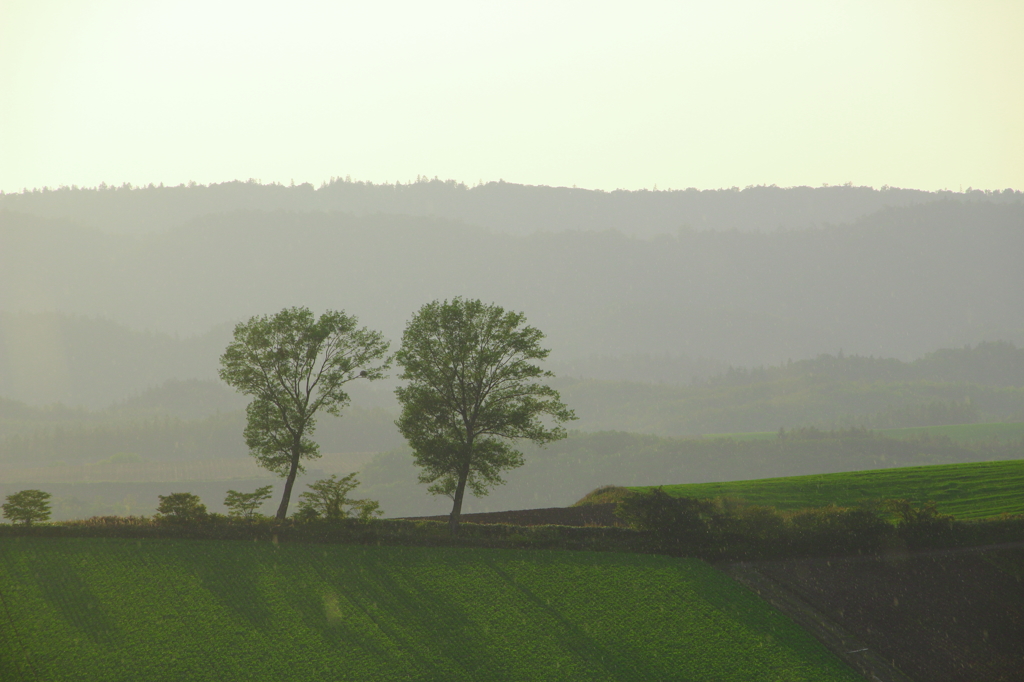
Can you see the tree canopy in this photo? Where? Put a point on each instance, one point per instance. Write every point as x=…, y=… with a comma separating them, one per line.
x=473, y=389
x=294, y=366
x=27, y=506
x=328, y=499
x=181, y=508
x=245, y=505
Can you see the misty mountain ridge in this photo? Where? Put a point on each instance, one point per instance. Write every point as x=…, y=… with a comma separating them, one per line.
x=187, y=400
x=500, y=206
x=990, y=363
x=899, y=283
x=72, y=362
x=93, y=362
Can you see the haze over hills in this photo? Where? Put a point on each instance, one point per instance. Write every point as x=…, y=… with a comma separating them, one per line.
x=197, y=419
x=898, y=283
x=500, y=206
x=668, y=313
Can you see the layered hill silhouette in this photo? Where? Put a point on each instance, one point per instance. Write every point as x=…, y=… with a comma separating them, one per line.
x=899, y=283
x=500, y=206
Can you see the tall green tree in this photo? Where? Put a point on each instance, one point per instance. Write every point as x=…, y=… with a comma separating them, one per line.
x=295, y=366
x=473, y=390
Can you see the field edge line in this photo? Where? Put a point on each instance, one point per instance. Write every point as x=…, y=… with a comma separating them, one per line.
x=847, y=647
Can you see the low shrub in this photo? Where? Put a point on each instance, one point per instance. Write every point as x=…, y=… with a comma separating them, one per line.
x=675, y=524
x=835, y=529
x=606, y=494
x=725, y=528
x=328, y=499
x=244, y=505
x=181, y=508
x=919, y=525
x=761, y=523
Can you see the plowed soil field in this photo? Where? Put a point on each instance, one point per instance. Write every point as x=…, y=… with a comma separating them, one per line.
x=593, y=515
x=955, y=615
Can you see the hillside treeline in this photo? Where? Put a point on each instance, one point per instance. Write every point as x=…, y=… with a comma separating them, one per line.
x=501, y=206
x=188, y=420
x=996, y=363
x=785, y=403
x=93, y=362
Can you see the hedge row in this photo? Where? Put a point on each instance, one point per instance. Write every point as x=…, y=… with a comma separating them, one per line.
x=707, y=529
x=721, y=529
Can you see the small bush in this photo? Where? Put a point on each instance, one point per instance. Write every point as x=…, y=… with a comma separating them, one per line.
x=328, y=499
x=727, y=528
x=765, y=524
x=838, y=529
x=674, y=523
x=181, y=508
x=919, y=523
x=908, y=515
x=243, y=506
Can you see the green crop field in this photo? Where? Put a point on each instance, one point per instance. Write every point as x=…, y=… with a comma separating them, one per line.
x=104, y=609
x=968, y=491
x=960, y=433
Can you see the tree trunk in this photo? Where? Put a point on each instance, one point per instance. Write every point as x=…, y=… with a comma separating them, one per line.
x=460, y=493
x=282, y=511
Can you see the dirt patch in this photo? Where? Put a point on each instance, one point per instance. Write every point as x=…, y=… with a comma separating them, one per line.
x=937, y=616
x=593, y=515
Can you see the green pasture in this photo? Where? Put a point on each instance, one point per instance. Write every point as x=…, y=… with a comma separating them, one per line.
x=106, y=609
x=968, y=491
x=960, y=433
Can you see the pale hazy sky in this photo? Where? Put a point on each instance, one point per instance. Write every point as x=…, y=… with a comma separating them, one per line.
x=925, y=94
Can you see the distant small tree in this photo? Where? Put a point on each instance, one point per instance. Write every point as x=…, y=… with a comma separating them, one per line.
x=181, y=508
x=244, y=505
x=27, y=506
x=328, y=499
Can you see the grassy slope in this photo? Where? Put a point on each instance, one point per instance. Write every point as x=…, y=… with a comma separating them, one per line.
x=175, y=610
x=960, y=433
x=967, y=491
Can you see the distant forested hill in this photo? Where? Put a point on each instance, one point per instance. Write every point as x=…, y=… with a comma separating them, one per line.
x=203, y=419
x=899, y=283
x=996, y=363
x=669, y=410
x=982, y=383
x=500, y=206
x=93, y=362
